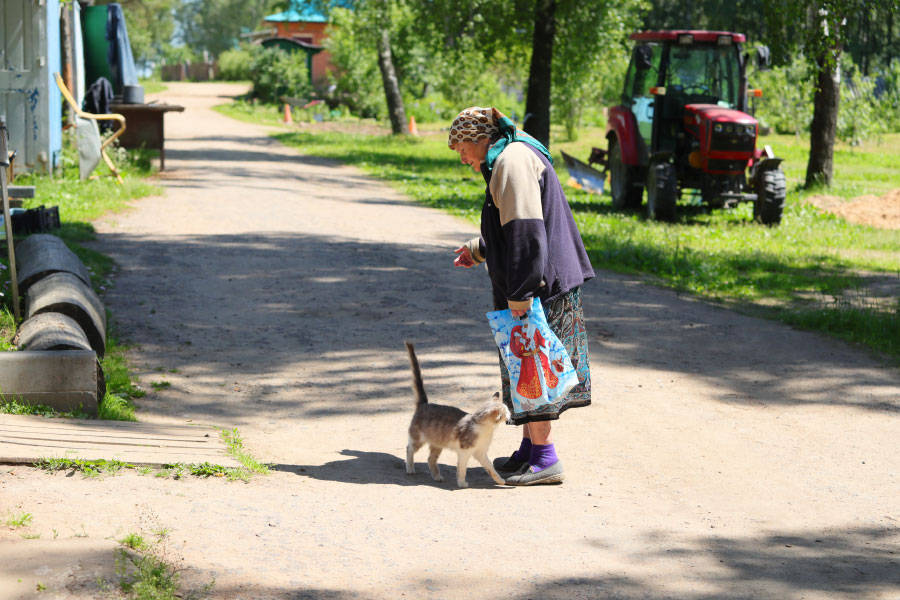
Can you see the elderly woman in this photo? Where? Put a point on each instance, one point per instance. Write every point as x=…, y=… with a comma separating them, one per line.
x=532, y=248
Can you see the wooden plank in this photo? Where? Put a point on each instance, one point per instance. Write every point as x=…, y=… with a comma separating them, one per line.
x=96, y=433
x=28, y=439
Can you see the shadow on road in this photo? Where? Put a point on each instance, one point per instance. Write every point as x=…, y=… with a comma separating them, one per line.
x=258, y=303
x=386, y=469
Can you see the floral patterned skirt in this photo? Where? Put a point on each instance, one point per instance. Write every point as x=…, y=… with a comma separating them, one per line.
x=565, y=316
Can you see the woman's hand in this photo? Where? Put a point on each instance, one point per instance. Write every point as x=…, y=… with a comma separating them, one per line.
x=464, y=258
x=518, y=313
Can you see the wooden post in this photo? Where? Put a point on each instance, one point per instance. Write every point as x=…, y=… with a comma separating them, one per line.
x=66, y=21
x=4, y=162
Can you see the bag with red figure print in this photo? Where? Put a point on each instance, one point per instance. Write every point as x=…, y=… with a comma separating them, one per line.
x=540, y=370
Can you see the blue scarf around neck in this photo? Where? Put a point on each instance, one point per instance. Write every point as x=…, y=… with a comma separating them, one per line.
x=508, y=135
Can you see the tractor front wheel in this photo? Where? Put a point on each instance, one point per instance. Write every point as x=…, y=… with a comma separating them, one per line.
x=771, y=190
x=625, y=194
x=662, y=191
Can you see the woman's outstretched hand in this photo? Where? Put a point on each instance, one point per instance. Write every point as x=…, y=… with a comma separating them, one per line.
x=464, y=258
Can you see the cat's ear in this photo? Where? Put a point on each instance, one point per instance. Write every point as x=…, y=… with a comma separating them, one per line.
x=496, y=396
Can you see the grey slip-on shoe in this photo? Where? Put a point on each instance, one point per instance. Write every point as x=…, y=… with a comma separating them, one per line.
x=527, y=476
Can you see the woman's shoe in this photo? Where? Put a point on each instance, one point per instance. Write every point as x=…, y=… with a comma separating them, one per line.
x=509, y=464
x=527, y=476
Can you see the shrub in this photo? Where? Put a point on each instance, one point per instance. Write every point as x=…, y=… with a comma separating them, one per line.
x=236, y=64
x=888, y=94
x=786, y=104
x=276, y=73
x=858, y=117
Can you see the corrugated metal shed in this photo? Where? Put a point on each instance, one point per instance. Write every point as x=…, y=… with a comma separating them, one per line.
x=29, y=55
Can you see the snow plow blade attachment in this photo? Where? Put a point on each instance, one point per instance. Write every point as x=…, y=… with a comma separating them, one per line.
x=583, y=176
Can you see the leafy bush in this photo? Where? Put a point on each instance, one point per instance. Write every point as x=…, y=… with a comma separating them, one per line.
x=786, y=104
x=889, y=97
x=858, y=117
x=276, y=73
x=236, y=64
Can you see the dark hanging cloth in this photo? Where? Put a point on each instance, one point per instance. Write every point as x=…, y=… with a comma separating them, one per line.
x=119, y=57
x=97, y=100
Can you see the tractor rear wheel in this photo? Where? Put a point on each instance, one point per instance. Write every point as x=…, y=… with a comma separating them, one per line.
x=771, y=190
x=662, y=191
x=625, y=194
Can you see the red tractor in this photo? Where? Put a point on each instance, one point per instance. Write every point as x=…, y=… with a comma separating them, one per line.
x=683, y=123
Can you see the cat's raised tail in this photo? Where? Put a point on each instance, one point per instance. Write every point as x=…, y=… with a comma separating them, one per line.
x=418, y=386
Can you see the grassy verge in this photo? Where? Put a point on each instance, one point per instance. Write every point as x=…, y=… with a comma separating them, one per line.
x=153, y=86
x=80, y=202
x=805, y=272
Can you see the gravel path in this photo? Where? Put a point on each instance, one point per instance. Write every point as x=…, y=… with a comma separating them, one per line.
x=724, y=457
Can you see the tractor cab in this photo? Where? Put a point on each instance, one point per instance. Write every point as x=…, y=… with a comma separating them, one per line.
x=683, y=123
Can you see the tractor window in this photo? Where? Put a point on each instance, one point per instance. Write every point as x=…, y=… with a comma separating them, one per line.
x=704, y=73
x=642, y=80
x=637, y=91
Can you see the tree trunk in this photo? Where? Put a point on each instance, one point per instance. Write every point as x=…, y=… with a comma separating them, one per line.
x=820, y=167
x=537, y=103
x=391, y=86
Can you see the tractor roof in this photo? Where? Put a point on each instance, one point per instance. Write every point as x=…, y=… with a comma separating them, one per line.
x=699, y=36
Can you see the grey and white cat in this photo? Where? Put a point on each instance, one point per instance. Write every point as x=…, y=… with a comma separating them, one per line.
x=439, y=426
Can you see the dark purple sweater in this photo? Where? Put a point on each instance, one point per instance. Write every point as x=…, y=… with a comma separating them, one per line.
x=528, y=236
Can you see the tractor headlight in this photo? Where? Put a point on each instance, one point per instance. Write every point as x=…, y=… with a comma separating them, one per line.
x=729, y=128
x=751, y=129
x=717, y=128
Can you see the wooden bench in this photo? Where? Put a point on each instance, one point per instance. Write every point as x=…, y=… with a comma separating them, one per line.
x=145, y=126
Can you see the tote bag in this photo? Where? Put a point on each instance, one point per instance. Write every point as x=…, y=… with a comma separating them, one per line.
x=540, y=370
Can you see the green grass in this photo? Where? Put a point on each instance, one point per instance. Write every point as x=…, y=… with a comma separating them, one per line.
x=791, y=272
x=13, y=406
x=252, y=112
x=18, y=520
x=153, y=86
x=100, y=467
x=145, y=572
x=134, y=541
x=90, y=468
x=235, y=446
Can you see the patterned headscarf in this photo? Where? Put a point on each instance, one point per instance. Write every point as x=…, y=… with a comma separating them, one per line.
x=475, y=123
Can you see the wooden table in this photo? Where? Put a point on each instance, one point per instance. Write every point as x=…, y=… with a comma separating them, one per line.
x=144, y=126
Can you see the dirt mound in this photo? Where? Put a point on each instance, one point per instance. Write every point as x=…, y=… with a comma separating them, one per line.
x=883, y=212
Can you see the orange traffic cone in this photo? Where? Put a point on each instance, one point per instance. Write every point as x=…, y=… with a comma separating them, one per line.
x=413, y=130
x=287, y=113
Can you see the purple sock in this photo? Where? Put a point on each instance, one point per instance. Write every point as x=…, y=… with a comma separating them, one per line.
x=524, y=451
x=542, y=457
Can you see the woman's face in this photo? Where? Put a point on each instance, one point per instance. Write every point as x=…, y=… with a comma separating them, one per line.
x=473, y=153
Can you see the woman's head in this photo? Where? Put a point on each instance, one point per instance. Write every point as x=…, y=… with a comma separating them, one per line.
x=472, y=132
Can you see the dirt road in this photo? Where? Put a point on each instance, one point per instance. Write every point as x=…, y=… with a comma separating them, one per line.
x=724, y=456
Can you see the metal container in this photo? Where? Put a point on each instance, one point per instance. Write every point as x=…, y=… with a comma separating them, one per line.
x=132, y=94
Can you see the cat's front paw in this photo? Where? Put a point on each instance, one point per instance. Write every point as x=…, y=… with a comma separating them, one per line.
x=462, y=484
x=437, y=477
x=410, y=469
